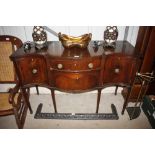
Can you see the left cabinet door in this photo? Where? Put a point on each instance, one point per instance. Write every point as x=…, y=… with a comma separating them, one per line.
x=32, y=70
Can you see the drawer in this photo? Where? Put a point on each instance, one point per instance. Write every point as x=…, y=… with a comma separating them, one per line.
x=75, y=81
x=119, y=69
x=32, y=70
x=71, y=64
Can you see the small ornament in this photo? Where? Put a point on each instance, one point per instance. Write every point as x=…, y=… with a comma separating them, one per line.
x=39, y=37
x=110, y=36
x=27, y=46
x=96, y=45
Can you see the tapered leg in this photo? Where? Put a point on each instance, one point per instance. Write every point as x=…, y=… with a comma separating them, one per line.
x=126, y=100
x=26, y=100
x=37, y=90
x=116, y=90
x=98, y=100
x=54, y=102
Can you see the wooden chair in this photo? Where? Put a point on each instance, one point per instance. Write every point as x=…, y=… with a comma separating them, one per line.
x=11, y=102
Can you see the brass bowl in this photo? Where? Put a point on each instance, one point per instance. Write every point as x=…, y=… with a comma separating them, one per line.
x=70, y=41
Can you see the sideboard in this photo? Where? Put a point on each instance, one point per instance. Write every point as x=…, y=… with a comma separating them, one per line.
x=75, y=70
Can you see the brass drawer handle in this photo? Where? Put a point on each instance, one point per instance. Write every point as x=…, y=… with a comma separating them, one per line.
x=60, y=66
x=51, y=68
x=34, y=71
x=117, y=70
x=90, y=65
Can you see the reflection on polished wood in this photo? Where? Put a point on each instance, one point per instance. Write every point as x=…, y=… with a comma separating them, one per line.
x=55, y=49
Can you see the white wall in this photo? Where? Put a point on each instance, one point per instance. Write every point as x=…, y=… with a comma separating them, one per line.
x=132, y=34
x=25, y=32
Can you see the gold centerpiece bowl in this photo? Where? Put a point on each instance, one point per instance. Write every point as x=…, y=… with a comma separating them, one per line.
x=70, y=41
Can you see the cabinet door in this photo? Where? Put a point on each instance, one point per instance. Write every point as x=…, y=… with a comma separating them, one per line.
x=32, y=70
x=119, y=70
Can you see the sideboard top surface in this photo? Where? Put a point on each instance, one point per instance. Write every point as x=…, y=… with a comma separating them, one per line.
x=55, y=49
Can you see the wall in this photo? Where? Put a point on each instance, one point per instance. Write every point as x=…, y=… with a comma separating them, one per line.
x=132, y=34
x=25, y=32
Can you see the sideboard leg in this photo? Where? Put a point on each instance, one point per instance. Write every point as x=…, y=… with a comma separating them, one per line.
x=26, y=99
x=98, y=100
x=126, y=100
x=54, y=102
x=37, y=90
x=116, y=90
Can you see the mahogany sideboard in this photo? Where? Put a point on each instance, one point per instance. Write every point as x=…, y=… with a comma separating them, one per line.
x=75, y=70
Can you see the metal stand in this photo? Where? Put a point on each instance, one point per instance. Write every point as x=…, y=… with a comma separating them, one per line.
x=145, y=79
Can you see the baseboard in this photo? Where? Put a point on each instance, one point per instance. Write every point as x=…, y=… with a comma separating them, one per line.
x=5, y=88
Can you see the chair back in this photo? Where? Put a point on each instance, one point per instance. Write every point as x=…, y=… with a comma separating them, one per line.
x=8, y=44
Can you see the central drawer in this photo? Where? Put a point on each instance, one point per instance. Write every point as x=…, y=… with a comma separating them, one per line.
x=74, y=74
x=75, y=64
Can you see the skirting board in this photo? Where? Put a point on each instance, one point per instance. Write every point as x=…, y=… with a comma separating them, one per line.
x=5, y=87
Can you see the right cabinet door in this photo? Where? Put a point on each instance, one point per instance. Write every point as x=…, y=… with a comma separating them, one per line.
x=119, y=69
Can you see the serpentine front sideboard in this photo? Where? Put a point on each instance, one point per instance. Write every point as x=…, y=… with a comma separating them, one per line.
x=75, y=70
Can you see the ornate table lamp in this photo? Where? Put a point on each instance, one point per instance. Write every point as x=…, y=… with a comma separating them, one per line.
x=110, y=36
x=39, y=36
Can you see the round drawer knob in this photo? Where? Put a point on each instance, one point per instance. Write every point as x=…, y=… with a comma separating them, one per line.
x=117, y=70
x=90, y=65
x=51, y=68
x=60, y=66
x=34, y=71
